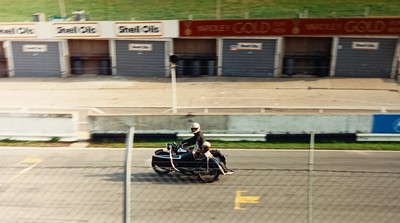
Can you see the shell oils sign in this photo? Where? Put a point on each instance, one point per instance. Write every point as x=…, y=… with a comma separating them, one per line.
x=132, y=29
x=76, y=29
x=12, y=30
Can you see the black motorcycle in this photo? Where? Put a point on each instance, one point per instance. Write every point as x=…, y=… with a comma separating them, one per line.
x=206, y=166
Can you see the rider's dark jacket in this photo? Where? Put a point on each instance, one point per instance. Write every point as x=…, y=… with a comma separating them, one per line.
x=198, y=137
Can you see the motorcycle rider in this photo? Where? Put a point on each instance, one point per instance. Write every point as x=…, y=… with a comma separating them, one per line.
x=197, y=139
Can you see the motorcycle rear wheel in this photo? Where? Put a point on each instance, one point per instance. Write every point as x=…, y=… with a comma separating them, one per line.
x=159, y=170
x=208, y=175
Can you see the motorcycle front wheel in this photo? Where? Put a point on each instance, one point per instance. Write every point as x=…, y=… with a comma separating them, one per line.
x=159, y=170
x=208, y=174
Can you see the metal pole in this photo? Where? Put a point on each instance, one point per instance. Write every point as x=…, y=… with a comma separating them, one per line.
x=62, y=9
x=128, y=171
x=173, y=82
x=218, y=9
x=310, y=172
x=366, y=11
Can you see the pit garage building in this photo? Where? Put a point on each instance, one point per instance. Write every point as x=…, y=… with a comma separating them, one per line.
x=343, y=47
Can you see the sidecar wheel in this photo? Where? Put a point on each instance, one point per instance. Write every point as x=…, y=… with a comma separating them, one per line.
x=208, y=175
x=158, y=169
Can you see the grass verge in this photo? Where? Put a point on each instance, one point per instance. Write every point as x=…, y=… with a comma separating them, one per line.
x=116, y=10
x=15, y=143
x=388, y=146
x=384, y=146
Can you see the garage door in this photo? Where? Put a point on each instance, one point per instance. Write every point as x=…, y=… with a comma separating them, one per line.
x=365, y=57
x=36, y=59
x=249, y=57
x=141, y=58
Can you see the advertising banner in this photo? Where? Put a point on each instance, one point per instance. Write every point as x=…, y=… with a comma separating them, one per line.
x=133, y=29
x=386, y=123
x=15, y=30
x=76, y=29
x=290, y=27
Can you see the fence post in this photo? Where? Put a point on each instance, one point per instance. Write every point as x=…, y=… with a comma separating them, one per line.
x=310, y=173
x=173, y=87
x=128, y=171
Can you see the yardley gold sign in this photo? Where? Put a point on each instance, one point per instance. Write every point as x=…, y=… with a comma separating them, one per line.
x=290, y=27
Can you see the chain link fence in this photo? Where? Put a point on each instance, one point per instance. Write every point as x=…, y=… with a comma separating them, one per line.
x=267, y=186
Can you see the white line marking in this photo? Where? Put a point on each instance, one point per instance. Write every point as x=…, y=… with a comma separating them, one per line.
x=97, y=110
x=33, y=161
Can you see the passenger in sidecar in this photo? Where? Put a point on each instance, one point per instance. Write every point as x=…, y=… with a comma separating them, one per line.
x=205, y=152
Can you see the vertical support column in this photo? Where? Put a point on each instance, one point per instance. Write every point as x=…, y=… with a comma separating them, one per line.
x=65, y=62
x=220, y=47
x=395, y=72
x=279, y=55
x=334, y=52
x=113, y=53
x=10, y=58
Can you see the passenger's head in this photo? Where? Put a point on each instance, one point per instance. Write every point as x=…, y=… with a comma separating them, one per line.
x=206, y=146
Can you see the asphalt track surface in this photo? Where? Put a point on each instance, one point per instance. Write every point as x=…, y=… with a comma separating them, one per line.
x=123, y=92
x=43, y=185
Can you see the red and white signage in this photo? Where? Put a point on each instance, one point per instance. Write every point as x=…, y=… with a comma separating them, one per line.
x=291, y=27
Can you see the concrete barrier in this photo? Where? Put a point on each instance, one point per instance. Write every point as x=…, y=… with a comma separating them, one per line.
x=64, y=127
x=233, y=124
x=246, y=127
x=228, y=137
x=39, y=126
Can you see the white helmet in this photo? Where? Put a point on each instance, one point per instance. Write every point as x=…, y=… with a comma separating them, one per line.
x=195, y=128
x=206, y=147
x=206, y=144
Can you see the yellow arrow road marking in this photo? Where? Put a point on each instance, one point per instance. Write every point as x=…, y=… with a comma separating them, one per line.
x=31, y=161
x=240, y=199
